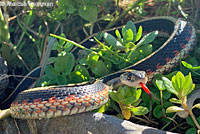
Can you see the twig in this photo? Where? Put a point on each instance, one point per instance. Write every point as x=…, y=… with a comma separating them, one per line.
x=20, y=76
x=169, y=7
x=184, y=104
x=47, y=54
x=16, y=126
x=46, y=40
x=143, y=120
x=123, y=14
x=32, y=31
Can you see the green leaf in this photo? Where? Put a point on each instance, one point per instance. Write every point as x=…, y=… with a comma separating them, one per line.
x=192, y=130
x=130, y=45
x=51, y=72
x=160, y=85
x=128, y=36
x=64, y=64
x=174, y=100
x=107, y=17
x=169, y=86
x=139, y=34
x=57, y=46
x=148, y=38
x=58, y=14
x=130, y=25
x=67, y=5
x=128, y=100
x=174, y=109
x=136, y=103
x=61, y=80
x=145, y=50
x=114, y=96
x=62, y=42
x=138, y=94
x=132, y=55
x=122, y=92
x=189, y=66
x=190, y=121
x=124, y=31
x=126, y=95
x=140, y=110
x=68, y=47
x=92, y=58
x=99, y=69
x=88, y=12
x=178, y=82
x=118, y=36
x=102, y=109
x=79, y=74
x=157, y=111
x=166, y=94
x=146, y=99
x=196, y=106
x=167, y=104
x=112, y=41
x=28, y=19
x=188, y=85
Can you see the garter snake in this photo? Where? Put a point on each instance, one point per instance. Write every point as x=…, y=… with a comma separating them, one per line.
x=47, y=102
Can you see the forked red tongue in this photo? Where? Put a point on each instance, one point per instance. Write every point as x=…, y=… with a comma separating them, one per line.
x=145, y=88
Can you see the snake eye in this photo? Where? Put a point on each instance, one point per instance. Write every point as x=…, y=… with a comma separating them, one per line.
x=129, y=75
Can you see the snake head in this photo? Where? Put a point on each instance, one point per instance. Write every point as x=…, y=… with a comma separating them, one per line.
x=133, y=78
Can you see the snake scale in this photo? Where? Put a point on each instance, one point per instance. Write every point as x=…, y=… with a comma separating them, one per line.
x=54, y=101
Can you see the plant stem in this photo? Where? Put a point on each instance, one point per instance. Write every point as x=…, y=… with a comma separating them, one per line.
x=161, y=102
x=184, y=104
x=112, y=52
x=78, y=45
x=123, y=14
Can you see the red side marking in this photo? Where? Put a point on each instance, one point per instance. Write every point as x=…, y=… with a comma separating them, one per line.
x=149, y=72
x=158, y=66
x=25, y=102
x=145, y=88
x=168, y=59
x=72, y=97
x=15, y=103
x=187, y=38
x=105, y=92
x=52, y=98
x=37, y=100
x=183, y=45
x=99, y=96
x=190, y=31
x=176, y=52
x=39, y=110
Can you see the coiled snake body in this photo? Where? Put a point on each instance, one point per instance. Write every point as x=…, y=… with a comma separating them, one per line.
x=66, y=100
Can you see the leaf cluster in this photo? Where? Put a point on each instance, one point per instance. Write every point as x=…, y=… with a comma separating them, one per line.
x=128, y=100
